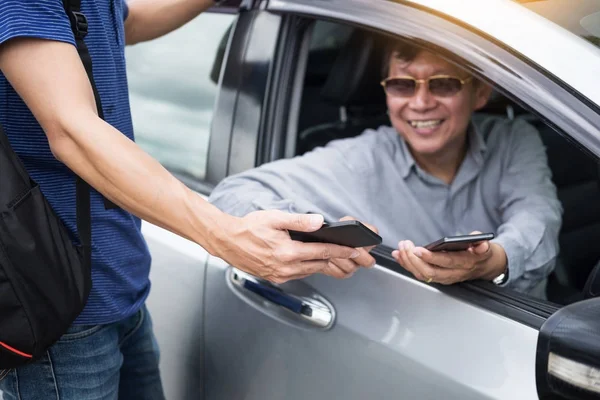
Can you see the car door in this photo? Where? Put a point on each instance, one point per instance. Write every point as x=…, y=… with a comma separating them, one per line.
x=382, y=334
x=175, y=84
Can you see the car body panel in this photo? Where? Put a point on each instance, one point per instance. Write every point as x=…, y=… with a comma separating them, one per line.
x=393, y=338
x=176, y=307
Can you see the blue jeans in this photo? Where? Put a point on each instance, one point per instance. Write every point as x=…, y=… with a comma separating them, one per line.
x=100, y=362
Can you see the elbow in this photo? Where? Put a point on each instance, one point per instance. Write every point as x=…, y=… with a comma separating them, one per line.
x=61, y=139
x=59, y=144
x=130, y=37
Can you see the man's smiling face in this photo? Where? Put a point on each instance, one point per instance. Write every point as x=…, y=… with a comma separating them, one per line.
x=431, y=124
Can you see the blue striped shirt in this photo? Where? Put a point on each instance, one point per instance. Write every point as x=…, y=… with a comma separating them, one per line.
x=120, y=257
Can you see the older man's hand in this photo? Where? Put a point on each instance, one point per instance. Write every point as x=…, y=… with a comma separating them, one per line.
x=486, y=260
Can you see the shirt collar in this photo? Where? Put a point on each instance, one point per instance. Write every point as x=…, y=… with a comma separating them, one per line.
x=406, y=160
x=477, y=148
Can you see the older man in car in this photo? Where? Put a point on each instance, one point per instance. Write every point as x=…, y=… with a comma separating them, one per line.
x=439, y=170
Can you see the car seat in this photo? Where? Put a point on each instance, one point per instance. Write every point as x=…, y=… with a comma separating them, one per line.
x=352, y=88
x=576, y=176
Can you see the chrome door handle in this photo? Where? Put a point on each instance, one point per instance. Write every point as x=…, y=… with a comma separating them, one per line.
x=307, y=308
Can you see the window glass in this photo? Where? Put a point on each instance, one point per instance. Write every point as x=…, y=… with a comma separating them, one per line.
x=329, y=35
x=173, y=85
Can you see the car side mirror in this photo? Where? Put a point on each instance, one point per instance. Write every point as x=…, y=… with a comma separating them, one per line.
x=568, y=353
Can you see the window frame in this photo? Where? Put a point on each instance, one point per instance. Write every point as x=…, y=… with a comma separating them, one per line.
x=243, y=101
x=203, y=185
x=528, y=84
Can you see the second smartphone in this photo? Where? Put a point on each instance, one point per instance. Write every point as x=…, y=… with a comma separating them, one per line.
x=458, y=243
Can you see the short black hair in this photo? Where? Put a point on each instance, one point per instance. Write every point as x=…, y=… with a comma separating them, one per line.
x=401, y=50
x=406, y=51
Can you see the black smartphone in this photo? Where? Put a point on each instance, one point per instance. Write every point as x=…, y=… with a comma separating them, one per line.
x=344, y=233
x=458, y=243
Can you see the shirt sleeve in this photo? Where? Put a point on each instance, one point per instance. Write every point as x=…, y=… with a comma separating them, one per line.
x=43, y=19
x=125, y=9
x=530, y=209
x=318, y=182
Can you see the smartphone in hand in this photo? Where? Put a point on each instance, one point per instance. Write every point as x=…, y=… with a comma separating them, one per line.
x=345, y=233
x=458, y=243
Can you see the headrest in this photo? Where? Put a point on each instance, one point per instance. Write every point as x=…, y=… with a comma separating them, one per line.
x=356, y=73
x=499, y=104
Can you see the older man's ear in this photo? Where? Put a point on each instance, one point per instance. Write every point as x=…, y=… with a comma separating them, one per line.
x=483, y=91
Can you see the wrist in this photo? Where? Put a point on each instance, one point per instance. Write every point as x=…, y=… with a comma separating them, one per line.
x=211, y=225
x=497, y=263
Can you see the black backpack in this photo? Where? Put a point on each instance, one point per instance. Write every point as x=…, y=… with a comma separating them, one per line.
x=45, y=279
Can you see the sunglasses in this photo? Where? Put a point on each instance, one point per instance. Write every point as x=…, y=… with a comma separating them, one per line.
x=438, y=85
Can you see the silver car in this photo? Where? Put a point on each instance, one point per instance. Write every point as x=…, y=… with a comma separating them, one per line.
x=254, y=81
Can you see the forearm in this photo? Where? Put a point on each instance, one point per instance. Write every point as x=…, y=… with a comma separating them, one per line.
x=241, y=195
x=149, y=19
x=56, y=89
x=239, y=199
x=293, y=185
x=530, y=242
x=125, y=174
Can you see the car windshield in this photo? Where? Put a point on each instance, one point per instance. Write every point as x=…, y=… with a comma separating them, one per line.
x=581, y=17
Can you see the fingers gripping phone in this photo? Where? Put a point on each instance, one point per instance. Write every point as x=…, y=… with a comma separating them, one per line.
x=344, y=233
x=458, y=243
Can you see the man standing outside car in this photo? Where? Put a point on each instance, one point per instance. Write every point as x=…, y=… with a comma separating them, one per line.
x=48, y=111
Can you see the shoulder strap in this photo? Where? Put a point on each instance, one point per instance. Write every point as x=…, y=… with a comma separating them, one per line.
x=79, y=26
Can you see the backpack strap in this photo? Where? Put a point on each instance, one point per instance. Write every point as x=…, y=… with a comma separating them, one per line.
x=79, y=26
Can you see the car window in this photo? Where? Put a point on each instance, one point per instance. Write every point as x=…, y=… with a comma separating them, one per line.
x=329, y=36
x=173, y=83
x=581, y=17
x=339, y=103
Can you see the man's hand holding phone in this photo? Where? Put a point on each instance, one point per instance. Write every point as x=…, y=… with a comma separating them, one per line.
x=346, y=267
x=482, y=260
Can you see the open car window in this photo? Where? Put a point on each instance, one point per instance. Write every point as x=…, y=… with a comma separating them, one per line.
x=342, y=98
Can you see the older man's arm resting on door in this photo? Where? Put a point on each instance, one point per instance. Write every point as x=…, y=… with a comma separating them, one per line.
x=320, y=181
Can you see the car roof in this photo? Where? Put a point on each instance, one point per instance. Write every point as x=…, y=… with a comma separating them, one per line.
x=569, y=57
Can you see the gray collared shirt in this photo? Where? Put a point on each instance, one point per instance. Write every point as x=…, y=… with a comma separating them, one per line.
x=503, y=186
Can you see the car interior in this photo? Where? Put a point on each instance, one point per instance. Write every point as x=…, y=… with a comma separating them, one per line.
x=342, y=97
